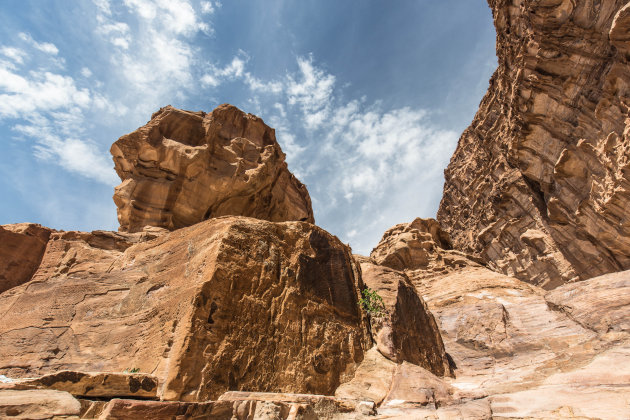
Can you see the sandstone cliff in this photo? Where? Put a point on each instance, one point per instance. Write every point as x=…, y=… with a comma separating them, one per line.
x=184, y=167
x=539, y=184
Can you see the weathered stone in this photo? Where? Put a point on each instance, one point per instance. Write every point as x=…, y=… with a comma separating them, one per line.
x=184, y=167
x=405, y=330
x=539, y=184
x=534, y=358
x=83, y=384
x=420, y=244
x=38, y=404
x=21, y=249
x=121, y=409
x=230, y=303
x=322, y=405
x=391, y=385
x=602, y=304
x=372, y=379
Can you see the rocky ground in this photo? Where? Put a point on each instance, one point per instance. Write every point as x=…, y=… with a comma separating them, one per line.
x=218, y=298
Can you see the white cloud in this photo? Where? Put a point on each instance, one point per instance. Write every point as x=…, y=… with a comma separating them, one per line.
x=14, y=54
x=41, y=91
x=207, y=8
x=155, y=59
x=209, y=80
x=351, y=149
x=258, y=85
x=74, y=154
x=312, y=91
x=45, y=47
x=86, y=72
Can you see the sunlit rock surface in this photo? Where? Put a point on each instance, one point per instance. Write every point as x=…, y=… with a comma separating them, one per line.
x=183, y=167
x=539, y=185
x=517, y=350
x=230, y=303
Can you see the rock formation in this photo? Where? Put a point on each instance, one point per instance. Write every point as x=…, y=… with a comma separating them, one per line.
x=539, y=184
x=517, y=350
x=184, y=167
x=405, y=330
x=231, y=303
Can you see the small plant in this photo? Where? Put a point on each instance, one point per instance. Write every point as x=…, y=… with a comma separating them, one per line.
x=134, y=370
x=372, y=302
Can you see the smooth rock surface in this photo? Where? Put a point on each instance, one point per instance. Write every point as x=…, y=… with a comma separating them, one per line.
x=230, y=303
x=517, y=350
x=122, y=409
x=533, y=359
x=38, y=404
x=184, y=167
x=539, y=184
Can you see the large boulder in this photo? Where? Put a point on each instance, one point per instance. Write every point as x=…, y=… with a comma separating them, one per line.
x=184, y=167
x=232, y=303
x=539, y=184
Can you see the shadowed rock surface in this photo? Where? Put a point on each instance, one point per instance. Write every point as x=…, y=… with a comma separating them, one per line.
x=22, y=247
x=539, y=184
x=230, y=303
x=184, y=167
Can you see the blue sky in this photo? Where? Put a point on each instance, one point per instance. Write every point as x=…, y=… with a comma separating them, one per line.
x=368, y=98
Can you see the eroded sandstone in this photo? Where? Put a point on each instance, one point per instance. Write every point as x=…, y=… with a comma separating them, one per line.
x=230, y=303
x=184, y=167
x=538, y=186
x=517, y=350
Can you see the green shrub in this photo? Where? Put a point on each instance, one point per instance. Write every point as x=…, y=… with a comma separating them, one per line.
x=372, y=302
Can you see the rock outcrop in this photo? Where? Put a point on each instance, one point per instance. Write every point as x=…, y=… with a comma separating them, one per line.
x=232, y=303
x=539, y=185
x=405, y=330
x=184, y=167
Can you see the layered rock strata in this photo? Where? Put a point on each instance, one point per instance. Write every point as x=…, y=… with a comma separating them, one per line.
x=517, y=350
x=539, y=184
x=184, y=167
x=231, y=303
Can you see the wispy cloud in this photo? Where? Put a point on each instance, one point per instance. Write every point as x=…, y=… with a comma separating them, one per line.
x=312, y=90
x=357, y=158
x=45, y=47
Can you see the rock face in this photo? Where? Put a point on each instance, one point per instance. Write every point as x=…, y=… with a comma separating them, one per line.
x=539, y=185
x=21, y=246
x=232, y=303
x=406, y=330
x=517, y=350
x=184, y=167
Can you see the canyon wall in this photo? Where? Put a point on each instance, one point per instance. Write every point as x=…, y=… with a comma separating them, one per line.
x=539, y=183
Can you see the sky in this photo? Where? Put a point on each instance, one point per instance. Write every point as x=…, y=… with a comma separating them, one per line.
x=368, y=98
